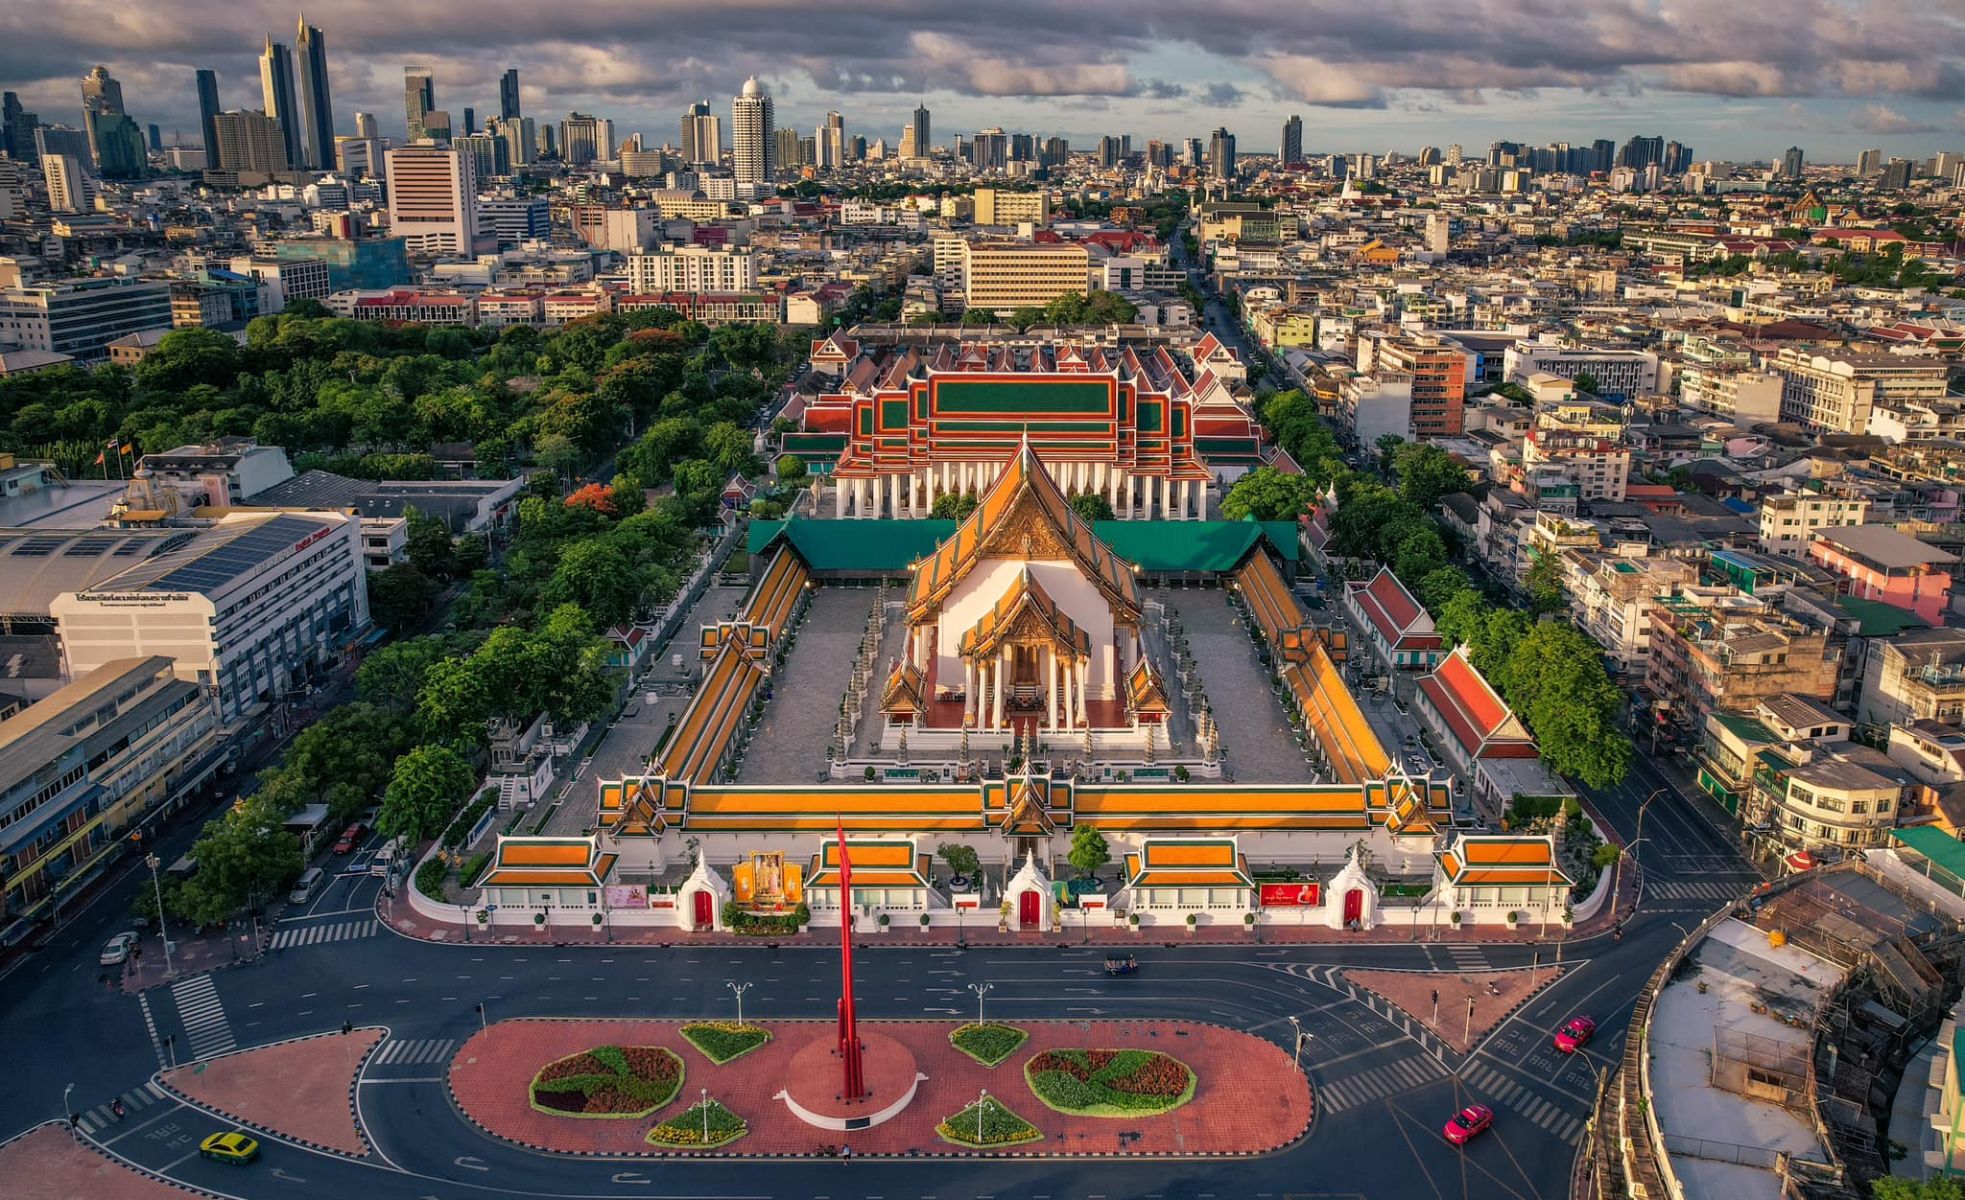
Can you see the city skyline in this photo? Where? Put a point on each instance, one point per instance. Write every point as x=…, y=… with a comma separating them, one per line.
x=1382, y=81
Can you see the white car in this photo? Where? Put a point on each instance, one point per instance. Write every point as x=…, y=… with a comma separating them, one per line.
x=116, y=951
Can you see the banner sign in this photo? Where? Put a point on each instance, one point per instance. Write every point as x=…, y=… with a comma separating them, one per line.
x=1291, y=895
x=627, y=896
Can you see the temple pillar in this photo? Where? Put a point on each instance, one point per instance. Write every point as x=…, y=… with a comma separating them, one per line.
x=1186, y=493
x=838, y=499
x=968, y=691
x=1084, y=712
x=1166, y=497
x=998, y=677
x=1070, y=708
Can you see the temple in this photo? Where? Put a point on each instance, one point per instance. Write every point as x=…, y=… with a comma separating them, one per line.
x=903, y=425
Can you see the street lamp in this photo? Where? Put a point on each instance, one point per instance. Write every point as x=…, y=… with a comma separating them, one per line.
x=154, y=862
x=484, y=1022
x=1296, y=1042
x=981, y=990
x=738, y=989
x=70, y=1109
x=705, y=1106
x=982, y=1107
x=1617, y=871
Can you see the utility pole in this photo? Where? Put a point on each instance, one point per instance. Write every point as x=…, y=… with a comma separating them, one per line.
x=1467, y=1035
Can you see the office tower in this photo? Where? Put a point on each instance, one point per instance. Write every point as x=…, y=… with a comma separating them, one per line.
x=1221, y=154
x=702, y=135
x=603, y=139
x=508, y=95
x=577, y=138
x=1125, y=145
x=102, y=101
x=784, y=148
x=545, y=143
x=991, y=152
x=490, y=156
x=17, y=129
x=70, y=189
x=1603, y=154
x=117, y=144
x=101, y=92
x=1292, y=152
x=922, y=134
x=365, y=125
x=310, y=80
x=470, y=120
x=419, y=97
x=831, y=139
x=523, y=135
x=1895, y=176
x=63, y=139
x=208, y=111
x=436, y=125
x=355, y=157
x=752, y=151
x=1192, y=152
x=1159, y=154
x=856, y=148
x=1057, y=151
x=156, y=137
x=907, y=149
x=1108, y=151
x=1791, y=162
x=1023, y=147
x=250, y=141
x=1869, y=162
x=279, y=101
x=959, y=146
x=433, y=198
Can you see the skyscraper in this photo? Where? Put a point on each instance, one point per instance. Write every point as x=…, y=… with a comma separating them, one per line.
x=365, y=125
x=433, y=198
x=17, y=129
x=702, y=135
x=470, y=120
x=101, y=92
x=921, y=129
x=419, y=97
x=508, y=95
x=752, y=152
x=1292, y=151
x=991, y=152
x=1869, y=162
x=1791, y=162
x=831, y=138
x=248, y=141
x=276, y=85
x=786, y=149
x=69, y=187
x=579, y=138
x=208, y=110
x=316, y=109
x=1221, y=154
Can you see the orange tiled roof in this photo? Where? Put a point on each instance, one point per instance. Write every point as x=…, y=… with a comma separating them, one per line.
x=1501, y=860
x=1144, y=693
x=1024, y=595
x=1187, y=862
x=903, y=691
x=1334, y=718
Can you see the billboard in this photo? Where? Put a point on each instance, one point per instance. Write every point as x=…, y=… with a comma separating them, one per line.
x=627, y=895
x=1291, y=895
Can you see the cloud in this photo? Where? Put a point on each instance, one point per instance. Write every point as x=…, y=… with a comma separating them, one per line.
x=1884, y=120
x=1222, y=94
x=1158, y=89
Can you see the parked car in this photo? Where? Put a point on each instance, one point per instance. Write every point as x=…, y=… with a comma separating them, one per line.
x=350, y=838
x=230, y=1146
x=1576, y=1035
x=1471, y=1120
x=309, y=882
x=116, y=951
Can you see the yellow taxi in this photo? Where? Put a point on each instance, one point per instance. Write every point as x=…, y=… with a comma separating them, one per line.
x=231, y=1147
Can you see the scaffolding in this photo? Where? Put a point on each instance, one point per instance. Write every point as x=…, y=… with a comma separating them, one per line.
x=1759, y=1067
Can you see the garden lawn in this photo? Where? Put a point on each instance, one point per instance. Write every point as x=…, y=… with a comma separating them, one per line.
x=988, y=1044
x=998, y=1127
x=1109, y=1083
x=685, y=1130
x=722, y=1041
x=608, y=1081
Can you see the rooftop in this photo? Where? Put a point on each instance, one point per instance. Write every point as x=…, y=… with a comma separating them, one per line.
x=1885, y=547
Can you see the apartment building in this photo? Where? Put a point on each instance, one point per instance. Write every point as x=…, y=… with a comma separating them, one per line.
x=1882, y=564
x=1620, y=374
x=1438, y=370
x=1371, y=406
x=1729, y=653
x=433, y=198
x=1788, y=522
x=1827, y=796
x=995, y=206
x=1919, y=675
x=1741, y=395
x=1002, y=277
x=1583, y=442
x=80, y=317
x=692, y=269
x=1611, y=598
x=1905, y=420
x=1836, y=393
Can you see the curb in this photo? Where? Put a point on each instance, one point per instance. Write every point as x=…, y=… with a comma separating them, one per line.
x=1309, y=1122
x=353, y=1083
x=107, y=1155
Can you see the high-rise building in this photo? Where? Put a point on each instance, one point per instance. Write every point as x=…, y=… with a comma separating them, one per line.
x=491, y=156
x=785, y=148
x=17, y=129
x=1108, y=152
x=1023, y=147
x=508, y=95
x=1057, y=152
x=990, y=152
x=603, y=139
x=433, y=198
x=101, y=92
x=1868, y=163
x=959, y=146
x=1221, y=154
x=922, y=133
x=280, y=102
x=1292, y=151
x=419, y=97
x=702, y=135
x=579, y=139
x=470, y=120
x=156, y=136
x=1193, y=152
x=436, y=126
x=831, y=139
x=365, y=125
x=118, y=143
x=70, y=188
x=1791, y=163
x=1895, y=176
x=316, y=108
x=545, y=142
x=753, y=153
x=63, y=139
x=249, y=141
x=208, y=110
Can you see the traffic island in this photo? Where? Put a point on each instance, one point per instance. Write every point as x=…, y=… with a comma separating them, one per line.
x=1468, y=1005
x=49, y=1164
x=302, y=1089
x=1177, y=1088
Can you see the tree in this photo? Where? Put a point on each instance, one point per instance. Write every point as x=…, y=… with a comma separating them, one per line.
x=792, y=469
x=1427, y=472
x=243, y=858
x=1088, y=850
x=1587, y=382
x=1440, y=587
x=729, y=447
x=960, y=859
x=1268, y=494
x=1388, y=445
x=1092, y=506
x=401, y=595
x=953, y=506
x=1543, y=583
x=600, y=578
x=1420, y=553
x=1891, y=1187
x=1555, y=681
x=428, y=546
x=392, y=675
x=427, y=786
x=1459, y=617
x=596, y=496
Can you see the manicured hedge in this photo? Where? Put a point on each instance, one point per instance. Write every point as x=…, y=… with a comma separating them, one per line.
x=608, y=1081
x=988, y=1044
x=685, y=1129
x=1000, y=1127
x=1109, y=1083
x=721, y=1041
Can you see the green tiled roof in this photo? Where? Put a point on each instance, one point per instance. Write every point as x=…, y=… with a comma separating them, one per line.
x=1945, y=852
x=890, y=545
x=854, y=545
x=1747, y=729
x=1879, y=619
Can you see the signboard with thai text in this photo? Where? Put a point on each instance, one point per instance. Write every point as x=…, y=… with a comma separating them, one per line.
x=1291, y=895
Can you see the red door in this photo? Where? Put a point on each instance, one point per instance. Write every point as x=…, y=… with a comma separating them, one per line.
x=1354, y=905
x=705, y=914
x=1027, y=906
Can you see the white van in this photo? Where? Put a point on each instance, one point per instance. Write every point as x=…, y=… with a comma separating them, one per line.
x=310, y=881
x=386, y=856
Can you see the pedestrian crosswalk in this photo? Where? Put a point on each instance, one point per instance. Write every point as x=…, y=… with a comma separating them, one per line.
x=1498, y=1086
x=1336, y=1095
x=203, y=1015
x=314, y=935
x=1693, y=889
x=1466, y=958
x=415, y=1050
x=134, y=1101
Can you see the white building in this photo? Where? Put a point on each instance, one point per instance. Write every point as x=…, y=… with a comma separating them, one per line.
x=1788, y=522
x=81, y=317
x=1836, y=393
x=1371, y=406
x=752, y=127
x=1748, y=396
x=693, y=269
x=244, y=607
x=1620, y=374
x=433, y=198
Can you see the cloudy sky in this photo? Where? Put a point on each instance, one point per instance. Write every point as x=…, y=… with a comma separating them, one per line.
x=1734, y=78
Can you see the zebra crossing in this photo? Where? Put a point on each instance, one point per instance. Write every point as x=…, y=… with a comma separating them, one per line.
x=415, y=1050
x=1693, y=889
x=134, y=1101
x=315, y=935
x=1466, y=958
x=1507, y=1091
x=203, y=1015
x=1402, y=1075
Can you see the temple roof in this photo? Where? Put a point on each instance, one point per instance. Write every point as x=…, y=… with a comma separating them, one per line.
x=1188, y=862
x=904, y=690
x=1474, y=712
x=548, y=862
x=877, y=862
x=1144, y=691
x=1486, y=861
x=1398, y=618
x=1023, y=604
x=1023, y=515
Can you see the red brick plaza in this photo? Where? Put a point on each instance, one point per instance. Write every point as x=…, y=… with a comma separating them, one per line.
x=1248, y=1097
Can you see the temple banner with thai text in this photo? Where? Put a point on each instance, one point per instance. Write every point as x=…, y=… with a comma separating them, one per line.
x=1291, y=895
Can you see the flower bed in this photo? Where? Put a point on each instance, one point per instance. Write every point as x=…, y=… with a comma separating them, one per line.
x=998, y=1126
x=685, y=1130
x=608, y=1081
x=722, y=1041
x=988, y=1044
x=1109, y=1083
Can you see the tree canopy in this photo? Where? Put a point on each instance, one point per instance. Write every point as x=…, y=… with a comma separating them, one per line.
x=1268, y=494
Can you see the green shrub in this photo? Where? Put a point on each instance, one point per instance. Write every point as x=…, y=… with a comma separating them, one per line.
x=473, y=867
x=1109, y=1083
x=722, y=1041
x=430, y=877
x=997, y=1125
x=608, y=1081
x=685, y=1129
x=988, y=1044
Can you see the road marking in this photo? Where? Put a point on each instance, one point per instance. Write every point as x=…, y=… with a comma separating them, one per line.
x=317, y=935
x=203, y=1015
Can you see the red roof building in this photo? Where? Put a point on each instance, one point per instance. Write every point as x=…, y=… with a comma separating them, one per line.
x=1400, y=632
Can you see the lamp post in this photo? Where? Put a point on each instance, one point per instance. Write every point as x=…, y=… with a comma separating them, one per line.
x=982, y=1107
x=1467, y=1034
x=1617, y=871
x=981, y=990
x=484, y=1022
x=738, y=990
x=68, y=1108
x=153, y=862
x=705, y=1106
x=1296, y=1042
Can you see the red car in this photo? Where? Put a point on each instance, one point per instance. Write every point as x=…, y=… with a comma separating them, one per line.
x=1576, y=1035
x=1473, y=1119
x=350, y=838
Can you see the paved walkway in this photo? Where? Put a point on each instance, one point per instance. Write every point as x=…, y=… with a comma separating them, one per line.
x=790, y=743
x=1413, y=991
x=1248, y=1098
x=49, y=1164
x=1256, y=742
x=301, y=1089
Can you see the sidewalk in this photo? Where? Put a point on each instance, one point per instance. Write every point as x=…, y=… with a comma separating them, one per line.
x=194, y=955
